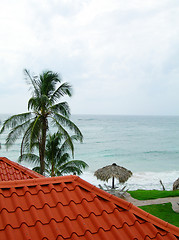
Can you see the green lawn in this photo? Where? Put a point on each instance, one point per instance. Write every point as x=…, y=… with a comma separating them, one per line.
x=152, y=194
x=164, y=212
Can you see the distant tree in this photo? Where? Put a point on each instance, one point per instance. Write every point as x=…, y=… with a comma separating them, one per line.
x=44, y=105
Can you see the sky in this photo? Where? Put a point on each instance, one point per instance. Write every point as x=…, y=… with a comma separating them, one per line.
x=121, y=57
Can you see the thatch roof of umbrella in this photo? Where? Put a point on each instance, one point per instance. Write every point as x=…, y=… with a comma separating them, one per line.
x=176, y=184
x=113, y=171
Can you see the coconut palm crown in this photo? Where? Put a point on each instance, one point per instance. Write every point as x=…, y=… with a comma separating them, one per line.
x=44, y=110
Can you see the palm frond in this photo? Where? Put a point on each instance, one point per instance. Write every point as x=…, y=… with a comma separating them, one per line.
x=63, y=131
x=35, y=130
x=14, y=120
x=36, y=169
x=32, y=81
x=68, y=123
x=62, y=108
x=74, y=166
x=29, y=157
x=66, y=145
x=62, y=90
x=71, y=169
x=33, y=104
x=62, y=159
x=76, y=163
x=27, y=145
x=16, y=132
x=79, y=163
x=49, y=80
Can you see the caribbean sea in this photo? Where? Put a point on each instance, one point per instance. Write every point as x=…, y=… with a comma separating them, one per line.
x=146, y=145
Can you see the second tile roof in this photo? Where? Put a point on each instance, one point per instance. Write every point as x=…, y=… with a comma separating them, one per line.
x=10, y=170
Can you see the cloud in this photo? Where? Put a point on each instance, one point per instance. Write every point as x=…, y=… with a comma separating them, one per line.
x=119, y=56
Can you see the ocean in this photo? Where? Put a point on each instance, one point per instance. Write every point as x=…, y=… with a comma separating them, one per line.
x=146, y=145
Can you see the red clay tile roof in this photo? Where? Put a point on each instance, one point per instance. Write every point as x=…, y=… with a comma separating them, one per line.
x=70, y=208
x=13, y=171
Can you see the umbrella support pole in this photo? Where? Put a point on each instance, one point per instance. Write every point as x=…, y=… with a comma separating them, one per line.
x=112, y=182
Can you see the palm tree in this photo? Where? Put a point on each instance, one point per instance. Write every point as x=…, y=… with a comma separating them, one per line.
x=57, y=158
x=43, y=106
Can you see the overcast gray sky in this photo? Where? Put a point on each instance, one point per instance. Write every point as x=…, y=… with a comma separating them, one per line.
x=121, y=57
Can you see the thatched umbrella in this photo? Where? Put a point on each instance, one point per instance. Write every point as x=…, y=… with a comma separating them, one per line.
x=113, y=171
x=176, y=184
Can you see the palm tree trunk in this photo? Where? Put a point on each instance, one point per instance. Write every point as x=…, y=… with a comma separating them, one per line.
x=42, y=147
x=52, y=172
x=42, y=165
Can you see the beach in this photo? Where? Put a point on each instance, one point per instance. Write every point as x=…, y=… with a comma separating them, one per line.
x=146, y=145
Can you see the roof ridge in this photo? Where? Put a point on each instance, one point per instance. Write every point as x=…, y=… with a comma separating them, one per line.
x=21, y=168
x=36, y=181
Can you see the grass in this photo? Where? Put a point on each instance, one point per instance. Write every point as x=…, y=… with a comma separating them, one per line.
x=152, y=194
x=164, y=212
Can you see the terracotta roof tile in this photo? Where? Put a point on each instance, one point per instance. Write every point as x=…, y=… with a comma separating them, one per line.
x=13, y=171
x=70, y=208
